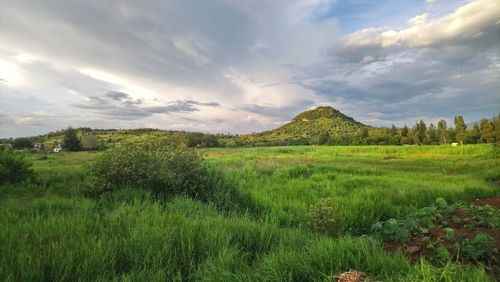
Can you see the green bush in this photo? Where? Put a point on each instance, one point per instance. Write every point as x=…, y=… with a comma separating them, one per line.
x=322, y=217
x=14, y=167
x=164, y=168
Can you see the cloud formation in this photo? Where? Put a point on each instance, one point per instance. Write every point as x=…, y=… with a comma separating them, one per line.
x=231, y=66
x=121, y=105
x=467, y=22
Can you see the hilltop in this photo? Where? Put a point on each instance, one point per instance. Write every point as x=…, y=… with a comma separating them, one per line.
x=322, y=120
x=315, y=126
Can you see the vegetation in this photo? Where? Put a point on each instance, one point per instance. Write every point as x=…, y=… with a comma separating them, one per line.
x=49, y=230
x=71, y=141
x=321, y=126
x=14, y=167
x=163, y=167
x=22, y=143
x=463, y=232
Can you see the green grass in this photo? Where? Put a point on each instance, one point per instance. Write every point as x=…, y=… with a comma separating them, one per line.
x=49, y=231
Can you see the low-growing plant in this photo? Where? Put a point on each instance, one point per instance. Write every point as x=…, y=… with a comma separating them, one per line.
x=322, y=217
x=480, y=248
x=14, y=166
x=441, y=255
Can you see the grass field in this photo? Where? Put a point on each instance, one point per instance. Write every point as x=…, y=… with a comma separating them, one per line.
x=50, y=231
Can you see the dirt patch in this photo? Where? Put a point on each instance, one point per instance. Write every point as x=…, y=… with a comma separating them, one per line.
x=494, y=201
x=389, y=157
x=465, y=234
x=353, y=276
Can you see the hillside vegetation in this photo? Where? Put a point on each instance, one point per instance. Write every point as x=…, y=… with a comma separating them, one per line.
x=320, y=126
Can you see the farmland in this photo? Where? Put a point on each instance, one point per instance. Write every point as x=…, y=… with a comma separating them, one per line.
x=50, y=229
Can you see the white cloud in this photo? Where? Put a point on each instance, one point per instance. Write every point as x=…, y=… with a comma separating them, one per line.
x=261, y=61
x=465, y=22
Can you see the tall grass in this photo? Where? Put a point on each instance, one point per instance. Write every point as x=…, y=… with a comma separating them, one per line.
x=366, y=183
x=60, y=239
x=49, y=231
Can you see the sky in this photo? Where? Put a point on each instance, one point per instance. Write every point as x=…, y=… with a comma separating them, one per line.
x=229, y=66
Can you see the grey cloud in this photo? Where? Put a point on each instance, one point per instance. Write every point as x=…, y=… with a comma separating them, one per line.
x=149, y=45
x=283, y=113
x=121, y=105
x=117, y=96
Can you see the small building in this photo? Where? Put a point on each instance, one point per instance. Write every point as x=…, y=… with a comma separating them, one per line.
x=6, y=145
x=38, y=147
x=57, y=148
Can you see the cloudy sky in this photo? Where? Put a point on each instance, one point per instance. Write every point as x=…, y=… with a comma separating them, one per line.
x=242, y=66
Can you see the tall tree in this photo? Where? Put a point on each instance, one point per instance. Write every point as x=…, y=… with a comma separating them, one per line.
x=497, y=128
x=404, y=131
x=487, y=134
x=394, y=130
x=432, y=134
x=22, y=143
x=323, y=138
x=443, y=133
x=71, y=141
x=460, y=129
x=420, y=132
x=475, y=134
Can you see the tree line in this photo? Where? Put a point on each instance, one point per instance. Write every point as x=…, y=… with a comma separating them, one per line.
x=421, y=133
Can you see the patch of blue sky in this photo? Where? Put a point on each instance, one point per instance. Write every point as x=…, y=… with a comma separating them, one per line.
x=355, y=15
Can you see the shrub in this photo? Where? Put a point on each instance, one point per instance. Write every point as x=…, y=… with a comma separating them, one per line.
x=14, y=167
x=322, y=217
x=164, y=168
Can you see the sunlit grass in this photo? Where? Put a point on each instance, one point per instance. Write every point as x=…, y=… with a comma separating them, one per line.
x=50, y=231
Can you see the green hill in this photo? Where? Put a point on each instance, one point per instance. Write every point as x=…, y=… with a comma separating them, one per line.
x=311, y=127
x=320, y=121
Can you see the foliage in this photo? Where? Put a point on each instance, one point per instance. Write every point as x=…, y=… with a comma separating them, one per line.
x=322, y=217
x=166, y=168
x=71, y=140
x=14, y=167
x=50, y=232
x=22, y=143
x=480, y=248
x=89, y=142
x=487, y=134
x=460, y=128
x=321, y=126
x=444, y=243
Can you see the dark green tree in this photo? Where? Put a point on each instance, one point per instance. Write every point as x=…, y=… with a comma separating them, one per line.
x=496, y=123
x=432, y=134
x=404, y=131
x=394, y=130
x=71, y=141
x=460, y=129
x=323, y=138
x=22, y=143
x=487, y=134
x=420, y=132
x=443, y=133
x=474, y=134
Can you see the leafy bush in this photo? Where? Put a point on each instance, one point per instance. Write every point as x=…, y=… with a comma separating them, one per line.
x=164, y=167
x=322, y=217
x=14, y=167
x=480, y=248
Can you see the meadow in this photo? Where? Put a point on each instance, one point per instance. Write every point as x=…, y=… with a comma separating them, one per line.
x=52, y=231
